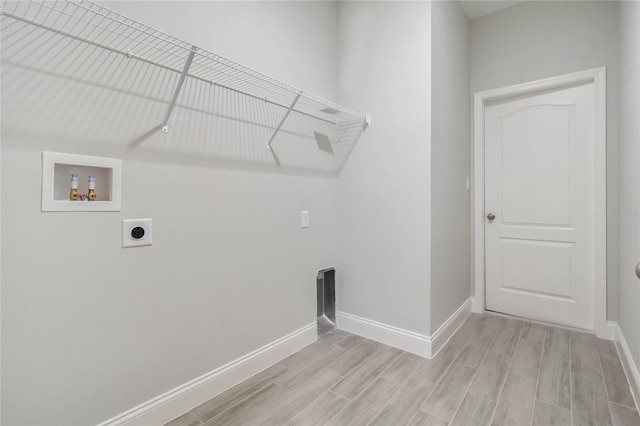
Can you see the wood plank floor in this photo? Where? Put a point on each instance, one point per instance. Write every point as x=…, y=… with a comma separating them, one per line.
x=494, y=371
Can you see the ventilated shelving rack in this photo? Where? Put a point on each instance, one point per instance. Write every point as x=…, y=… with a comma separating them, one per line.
x=295, y=117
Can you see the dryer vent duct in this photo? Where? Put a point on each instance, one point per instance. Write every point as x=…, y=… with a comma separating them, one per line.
x=326, y=290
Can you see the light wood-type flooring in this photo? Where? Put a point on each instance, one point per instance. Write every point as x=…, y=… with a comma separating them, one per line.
x=494, y=371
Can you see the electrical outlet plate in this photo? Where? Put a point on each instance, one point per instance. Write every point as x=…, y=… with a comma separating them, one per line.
x=304, y=219
x=128, y=225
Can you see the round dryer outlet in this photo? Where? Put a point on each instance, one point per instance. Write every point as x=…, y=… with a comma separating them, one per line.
x=136, y=232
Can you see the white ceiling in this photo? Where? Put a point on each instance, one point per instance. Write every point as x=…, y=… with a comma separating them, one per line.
x=477, y=8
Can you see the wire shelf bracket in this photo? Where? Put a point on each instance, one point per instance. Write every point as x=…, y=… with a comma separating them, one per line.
x=295, y=101
x=185, y=71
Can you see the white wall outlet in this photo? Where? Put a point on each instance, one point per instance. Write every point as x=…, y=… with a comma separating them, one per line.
x=304, y=219
x=136, y=232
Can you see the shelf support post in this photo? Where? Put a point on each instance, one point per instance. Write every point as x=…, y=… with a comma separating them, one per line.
x=183, y=76
x=293, y=104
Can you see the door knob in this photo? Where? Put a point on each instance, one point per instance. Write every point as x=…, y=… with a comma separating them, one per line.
x=638, y=270
x=491, y=216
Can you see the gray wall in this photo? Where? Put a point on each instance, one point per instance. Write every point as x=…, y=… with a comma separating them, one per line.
x=450, y=241
x=629, y=289
x=89, y=329
x=539, y=39
x=384, y=189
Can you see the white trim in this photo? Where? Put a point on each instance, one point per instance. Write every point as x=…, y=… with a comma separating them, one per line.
x=477, y=306
x=630, y=367
x=420, y=344
x=409, y=341
x=449, y=327
x=611, y=330
x=597, y=77
x=600, y=201
x=178, y=401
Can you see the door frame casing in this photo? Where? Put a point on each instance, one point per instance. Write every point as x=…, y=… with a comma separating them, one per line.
x=597, y=78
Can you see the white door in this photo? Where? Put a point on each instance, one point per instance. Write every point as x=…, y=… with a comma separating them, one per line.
x=539, y=185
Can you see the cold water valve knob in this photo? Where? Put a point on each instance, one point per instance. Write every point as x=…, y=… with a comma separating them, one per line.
x=91, y=194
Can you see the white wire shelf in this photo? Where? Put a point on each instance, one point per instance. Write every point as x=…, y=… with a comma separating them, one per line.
x=80, y=41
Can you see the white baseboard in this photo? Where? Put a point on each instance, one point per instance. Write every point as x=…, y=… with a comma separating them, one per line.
x=630, y=367
x=477, y=305
x=420, y=344
x=610, y=330
x=409, y=341
x=450, y=326
x=176, y=402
